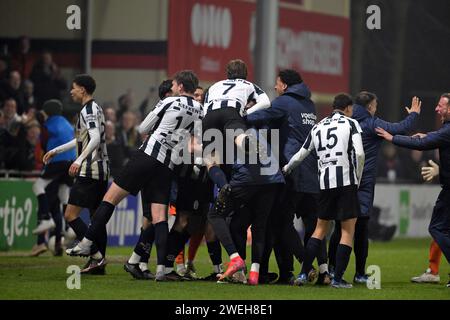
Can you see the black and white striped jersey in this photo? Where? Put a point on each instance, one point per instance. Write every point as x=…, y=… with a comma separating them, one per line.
x=234, y=93
x=96, y=164
x=171, y=115
x=340, y=154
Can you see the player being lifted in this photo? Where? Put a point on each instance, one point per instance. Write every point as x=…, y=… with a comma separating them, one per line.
x=338, y=144
x=225, y=104
x=91, y=168
x=151, y=167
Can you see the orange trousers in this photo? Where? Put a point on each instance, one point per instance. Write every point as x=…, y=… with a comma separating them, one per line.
x=435, y=257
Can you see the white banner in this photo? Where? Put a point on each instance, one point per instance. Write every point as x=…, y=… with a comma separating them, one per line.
x=407, y=206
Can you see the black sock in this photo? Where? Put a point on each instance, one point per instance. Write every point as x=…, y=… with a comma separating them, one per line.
x=143, y=245
x=148, y=238
x=41, y=238
x=312, y=251
x=217, y=176
x=333, y=244
x=161, y=233
x=361, y=245
x=101, y=241
x=322, y=257
x=175, y=243
x=222, y=231
x=101, y=217
x=57, y=217
x=215, y=252
x=43, y=207
x=342, y=258
x=79, y=227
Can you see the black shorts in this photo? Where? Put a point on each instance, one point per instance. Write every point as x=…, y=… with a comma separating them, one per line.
x=145, y=172
x=339, y=203
x=306, y=204
x=222, y=119
x=192, y=194
x=87, y=192
x=58, y=171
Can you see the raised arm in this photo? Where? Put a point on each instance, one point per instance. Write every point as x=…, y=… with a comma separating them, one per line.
x=147, y=125
x=406, y=125
x=430, y=141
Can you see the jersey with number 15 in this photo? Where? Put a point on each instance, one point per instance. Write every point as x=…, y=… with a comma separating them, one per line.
x=338, y=145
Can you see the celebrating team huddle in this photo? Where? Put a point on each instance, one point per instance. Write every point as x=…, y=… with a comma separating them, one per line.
x=324, y=172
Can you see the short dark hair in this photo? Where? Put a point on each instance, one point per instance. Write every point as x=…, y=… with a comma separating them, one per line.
x=290, y=77
x=199, y=87
x=364, y=98
x=164, y=88
x=236, y=69
x=446, y=95
x=342, y=101
x=85, y=81
x=188, y=79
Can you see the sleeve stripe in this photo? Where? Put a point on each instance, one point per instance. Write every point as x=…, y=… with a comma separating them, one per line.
x=89, y=108
x=164, y=109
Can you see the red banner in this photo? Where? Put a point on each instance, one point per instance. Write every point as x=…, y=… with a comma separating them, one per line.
x=205, y=34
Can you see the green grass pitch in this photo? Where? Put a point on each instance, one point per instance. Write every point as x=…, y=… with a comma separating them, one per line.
x=45, y=277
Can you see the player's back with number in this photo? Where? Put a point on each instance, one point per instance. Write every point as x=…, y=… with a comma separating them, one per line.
x=235, y=93
x=179, y=113
x=173, y=114
x=338, y=144
x=336, y=156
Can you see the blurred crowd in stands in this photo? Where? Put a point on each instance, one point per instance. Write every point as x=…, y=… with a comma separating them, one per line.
x=29, y=78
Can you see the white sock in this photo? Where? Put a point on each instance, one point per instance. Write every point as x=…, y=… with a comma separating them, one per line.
x=143, y=266
x=234, y=255
x=216, y=268
x=254, y=267
x=168, y=270
x=180, y=267
x=97, y=256
x=160, y=268
x=135, y=258
x=323, y=268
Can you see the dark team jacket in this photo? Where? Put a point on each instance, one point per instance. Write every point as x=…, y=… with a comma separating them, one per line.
x=372, y=145
x=294, y=114
x=434, y=140
x=245, y=174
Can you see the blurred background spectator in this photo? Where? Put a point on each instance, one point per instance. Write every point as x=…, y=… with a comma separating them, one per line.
x=115, y=149
x=125, y=102
x=11, y=88
x=47, y=79
x=389, y=164
x=127, y=134
x=22, y=58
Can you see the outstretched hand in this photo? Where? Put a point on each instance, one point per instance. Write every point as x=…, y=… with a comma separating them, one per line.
x=428, y=173
x=384, y=134
x=416, y=105
x=48, y=156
